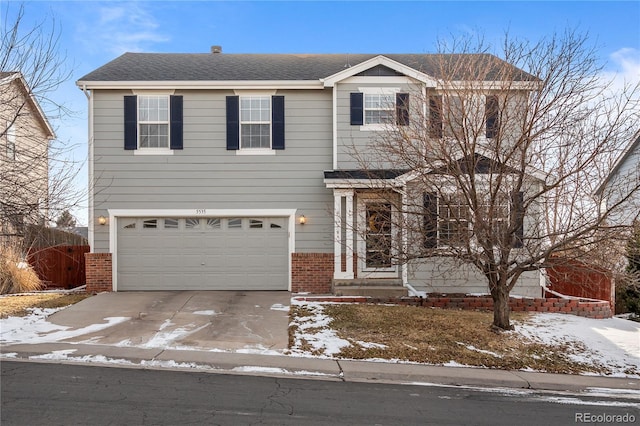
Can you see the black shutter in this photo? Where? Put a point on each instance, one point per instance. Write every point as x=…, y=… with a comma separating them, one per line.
x=435, y=116
x=233, y=122
x=518, y=213
x=130, y=122
x=430, y=222
x=277, y=122
x=357, y=111
x=176, y=122
x=491, y=112
x=402, y=109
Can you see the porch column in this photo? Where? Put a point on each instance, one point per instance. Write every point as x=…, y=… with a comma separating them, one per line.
x=404, y=237
x=339, y=243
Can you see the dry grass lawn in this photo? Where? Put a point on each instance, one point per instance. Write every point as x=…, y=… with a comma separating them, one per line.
x=438, y=336
x=16, y=306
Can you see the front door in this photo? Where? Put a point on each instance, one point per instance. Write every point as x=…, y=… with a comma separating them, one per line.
x=375, y=235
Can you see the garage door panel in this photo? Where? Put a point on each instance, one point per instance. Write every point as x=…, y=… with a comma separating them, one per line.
x=220, y=254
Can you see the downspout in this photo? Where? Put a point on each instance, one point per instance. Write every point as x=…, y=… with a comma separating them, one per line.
x=90, y=224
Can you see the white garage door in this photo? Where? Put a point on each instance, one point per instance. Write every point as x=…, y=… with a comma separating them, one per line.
x=196, y=253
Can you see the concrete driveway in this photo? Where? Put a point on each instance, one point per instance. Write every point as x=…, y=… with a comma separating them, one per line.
x=239, y=321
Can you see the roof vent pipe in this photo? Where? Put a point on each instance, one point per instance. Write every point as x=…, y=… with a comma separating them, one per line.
x=216, y=49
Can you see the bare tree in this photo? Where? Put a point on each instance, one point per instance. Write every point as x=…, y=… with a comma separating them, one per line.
x=35, y=172
x=500, y=158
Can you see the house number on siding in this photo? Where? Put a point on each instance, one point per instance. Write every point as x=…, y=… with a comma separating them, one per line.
x=201, y=211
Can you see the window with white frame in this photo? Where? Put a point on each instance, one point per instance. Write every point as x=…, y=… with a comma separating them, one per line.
x=255, y=122
x=453, y=220
x=448, y=223
x=379, y=108
x=153, y=121
x=11, y=141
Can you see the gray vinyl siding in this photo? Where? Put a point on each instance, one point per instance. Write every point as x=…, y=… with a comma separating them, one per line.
x=351, y=139
x=205, y=175
x=441, y=275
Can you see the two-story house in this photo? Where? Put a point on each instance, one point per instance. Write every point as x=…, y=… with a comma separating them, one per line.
x=237, y=171
x=619, y=191
x=25, y=134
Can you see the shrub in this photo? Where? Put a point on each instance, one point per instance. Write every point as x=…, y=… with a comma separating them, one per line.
x=16, y=275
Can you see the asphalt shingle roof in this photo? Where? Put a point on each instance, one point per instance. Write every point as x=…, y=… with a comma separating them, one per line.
x=256, y=67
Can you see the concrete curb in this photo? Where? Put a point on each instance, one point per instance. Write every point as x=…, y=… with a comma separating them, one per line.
x=313, y=368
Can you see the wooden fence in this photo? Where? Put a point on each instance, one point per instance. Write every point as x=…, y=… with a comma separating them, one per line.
x=59, y=266
x=574, y=278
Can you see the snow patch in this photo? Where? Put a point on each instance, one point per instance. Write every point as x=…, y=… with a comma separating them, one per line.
x=208, y=313
x=279, y=307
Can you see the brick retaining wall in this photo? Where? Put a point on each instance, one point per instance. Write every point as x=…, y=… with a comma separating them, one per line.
x=98, y=270
x=581, y=307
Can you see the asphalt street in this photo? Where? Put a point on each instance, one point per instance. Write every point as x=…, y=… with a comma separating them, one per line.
x=63, y=394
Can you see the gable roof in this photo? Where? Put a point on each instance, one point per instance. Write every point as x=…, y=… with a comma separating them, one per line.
x=619, y=162
x=219, y=67
x=15, y=76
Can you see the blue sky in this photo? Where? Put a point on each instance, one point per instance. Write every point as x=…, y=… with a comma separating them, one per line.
x=94, y=32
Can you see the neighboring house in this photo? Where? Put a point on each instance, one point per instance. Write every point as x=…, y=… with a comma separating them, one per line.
x=619, y=192
x=235, y=171
x=25, y=134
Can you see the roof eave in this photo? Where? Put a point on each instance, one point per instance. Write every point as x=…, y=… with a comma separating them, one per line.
x=197, y=84
x=17, y=76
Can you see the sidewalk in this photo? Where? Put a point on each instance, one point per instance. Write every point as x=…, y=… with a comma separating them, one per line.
x=316, y=368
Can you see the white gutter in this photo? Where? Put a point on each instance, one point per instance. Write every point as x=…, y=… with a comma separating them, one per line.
x=90, y=224
x=199, y=85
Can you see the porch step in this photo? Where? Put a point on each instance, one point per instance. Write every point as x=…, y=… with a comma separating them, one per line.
x=368, y=282
x=379, y=291
x=370, y=287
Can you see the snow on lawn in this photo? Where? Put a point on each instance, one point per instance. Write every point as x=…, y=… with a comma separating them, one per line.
x=613, y=343
x=34, y=328
x=314, y=331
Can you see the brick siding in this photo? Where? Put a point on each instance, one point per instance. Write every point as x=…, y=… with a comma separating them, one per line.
x=98, y=270
x=584, y=308
x=311, y=272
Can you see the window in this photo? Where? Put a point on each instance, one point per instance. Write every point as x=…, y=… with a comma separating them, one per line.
x=11, y=141
x=150, y=223
x=447, y=219
x=171, y=223
x=255, y=123
x=453, y=220
x=153, y=123
x=492, y=116
x=192, y=223
x=379, y=107
x=234, y=223
x=435, y=116
x=213, y=223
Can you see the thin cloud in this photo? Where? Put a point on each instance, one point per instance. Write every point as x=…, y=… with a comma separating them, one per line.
x=625, y=68
x=120, y=28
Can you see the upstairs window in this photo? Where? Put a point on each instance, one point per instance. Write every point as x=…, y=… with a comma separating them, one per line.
x=153, y=121
x=492, y=116
x=435, y=116
x=378, y=107
x=255, y=122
